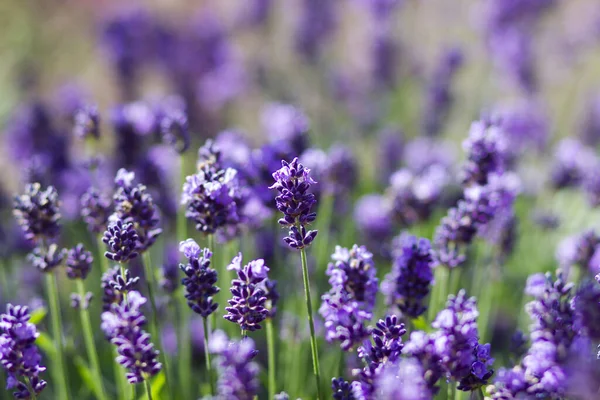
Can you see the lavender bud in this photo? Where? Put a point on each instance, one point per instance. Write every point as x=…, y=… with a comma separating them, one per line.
x=79, y=262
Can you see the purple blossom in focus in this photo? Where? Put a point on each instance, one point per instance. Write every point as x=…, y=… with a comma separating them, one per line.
x=200, y=281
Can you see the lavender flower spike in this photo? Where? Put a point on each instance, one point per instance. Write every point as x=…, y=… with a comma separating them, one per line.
x=238, y=373
x=18, y=354
x=247, y=306
x=200, y=279
x=124, y=326
x=79, y=262
x=292, y=181
x=121, y=240
x=37, y=212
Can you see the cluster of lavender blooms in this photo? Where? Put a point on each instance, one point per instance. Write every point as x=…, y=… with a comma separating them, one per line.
x=200, y=279
x=408, y=284
x=349, y=304
x=19, y=355
x=489, y=193
x=247, y=307
x=123, y=325
x=238, y=372
x=580, y=251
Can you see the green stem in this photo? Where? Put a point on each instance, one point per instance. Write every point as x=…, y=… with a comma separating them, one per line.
x=154, y=325
x=271, y=358
x=313, y=339
x=30, y=388
x=148, y=390
x=88, y=337
x=60, y=374
x=322, y=245
x=439, y=291
x=207, y=357
x=476, y=395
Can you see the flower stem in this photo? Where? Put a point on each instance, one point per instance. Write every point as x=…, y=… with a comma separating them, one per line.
x=271, y=357
x=322, y=245
x=438, y=293
x=88, y=337
x=313, y=339
x=30, y=388
x=148, y=391
x=154, y=325
x=60, y=374
x=207, y=357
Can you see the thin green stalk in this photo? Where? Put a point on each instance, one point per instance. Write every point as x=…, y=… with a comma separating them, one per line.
x=30, y=388
x=60, y=373
x=313, y=339
x=88, y=337
x=271, y=358
x=207, y=357
x=148, y=390
x=322, y=245
x=438, y=293
x=476, y=395
x=154, y=325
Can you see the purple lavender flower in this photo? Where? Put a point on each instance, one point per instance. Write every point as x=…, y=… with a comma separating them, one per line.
x=384, y=53
x=46, y=259
x=580, y=250
x=79, y=262
x=247, y=306
x=169, y=281
x=115, y=285
x=316, y=23
x=133, y=204
x=402, y=380
x=439, y=98
x=509, y=384
x=384, y=350
x=486, y=152
x=422, y=347
x=211, y=196
x=37, y=212
x=200, y=279
x=457, y=336
x=586, y=304
x=123, y=324
x=292, y=182
x=341, y=389
x=571, y=161
x=18, y=354
x=87, y=122
x=480, y=369
x=389, y=152
x=408, y=284
x=238, y=372
x=174, y=128
x=590, y=127
x=95, y=210
x=373, y=217
x=121, y=240
x=349, y=303
x=341, y=170
x=286, y=124
x=524, y=123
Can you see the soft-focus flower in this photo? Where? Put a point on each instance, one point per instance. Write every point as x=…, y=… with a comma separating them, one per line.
x=174, y=128
x=586, y=304
x=19, y=355
x=170, y=281
x=37, y=212
x=238, y=372
x=408, y=284
x=123, y=324
x=95, y=210
x=87, y=122
x=46, y=259
x=247, y=306
x=571, y=161
x=486, y=152
x=200, y=279
x=422, y=347
x=79, y=262
x=342, y=390
x=373, y=217
x=349, y=303
x=402, y=381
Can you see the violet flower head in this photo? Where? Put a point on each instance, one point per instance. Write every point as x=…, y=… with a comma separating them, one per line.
x=238, y=372
x=316, y=24
x=341, y=170
x=409, y=282
x=590, y=127
x=121, y=240
x=95, y=210
x=115, y=285
x=385, y=349
x=342, y=390
x=286, y=124
x=422, y=347
x=571, y=161
x=170, y=281
x=480, y=369
x=586, y=304
x=79, y=262
x=349, y=303
x=247, y=306
x=19, y=355
x=373, y=217
x=37, y=212
x=174, y=129
x=509, y=384
x=389, y=152
x=402, y=380
x=134, y=204
x=269, y=287
x=211, y=196
x=486, y=152
x=384, y=55
x=46, y=259
x=123, y=324
x=439, y=98
x=87, y=122
x=200, y=279
x=292, y=182
x=457, y=335
x=580, y=251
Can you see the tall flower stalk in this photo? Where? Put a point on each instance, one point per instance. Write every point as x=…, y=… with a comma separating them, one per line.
x=292, y=182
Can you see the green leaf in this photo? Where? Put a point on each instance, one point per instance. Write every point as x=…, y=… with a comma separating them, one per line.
x=46, y=344
x=38, y=315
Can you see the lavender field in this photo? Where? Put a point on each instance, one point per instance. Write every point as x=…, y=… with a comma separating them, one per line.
x=300, y=199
